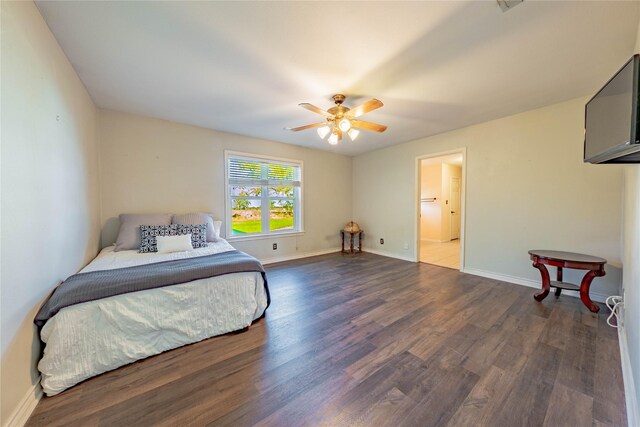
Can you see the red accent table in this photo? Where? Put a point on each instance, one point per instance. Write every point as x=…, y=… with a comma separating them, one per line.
x=560, y=260
x=351, y=241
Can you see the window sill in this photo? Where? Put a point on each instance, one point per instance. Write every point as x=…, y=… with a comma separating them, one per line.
x=264, y=236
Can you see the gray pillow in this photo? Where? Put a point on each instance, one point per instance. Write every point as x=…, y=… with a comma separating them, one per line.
x=195, y=219
x=129, y=235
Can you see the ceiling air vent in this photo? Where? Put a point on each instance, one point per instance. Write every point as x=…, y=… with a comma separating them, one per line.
x=506, y=5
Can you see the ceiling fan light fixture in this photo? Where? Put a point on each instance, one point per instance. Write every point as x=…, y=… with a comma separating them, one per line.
x=339, y=120
x=323, y=131
x=344, y=125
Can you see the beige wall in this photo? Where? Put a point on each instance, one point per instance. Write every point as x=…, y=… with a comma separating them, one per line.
x=631, y=277
x=151, y=165
x=50, y=217
x=526, y=187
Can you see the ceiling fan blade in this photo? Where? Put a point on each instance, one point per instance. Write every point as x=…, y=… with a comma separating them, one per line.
x=299, y=128
x=372, y=104
x=368, y=126
x=315, y=109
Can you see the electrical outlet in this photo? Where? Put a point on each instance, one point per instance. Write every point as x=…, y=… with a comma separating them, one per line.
x=406, y=246
x=382, y=241
x=275, y=246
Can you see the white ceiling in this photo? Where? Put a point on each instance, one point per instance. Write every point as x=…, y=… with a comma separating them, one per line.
x=243, y=67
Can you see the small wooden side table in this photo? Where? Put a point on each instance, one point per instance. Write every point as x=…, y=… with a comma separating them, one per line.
x=353, y=235
x=560, y=260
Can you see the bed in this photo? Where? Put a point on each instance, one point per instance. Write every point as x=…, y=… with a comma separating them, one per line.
x=88, y=338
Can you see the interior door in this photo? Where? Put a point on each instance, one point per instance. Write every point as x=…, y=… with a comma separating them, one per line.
x=455, y=207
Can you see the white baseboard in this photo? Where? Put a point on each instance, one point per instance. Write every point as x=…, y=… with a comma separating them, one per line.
x=298, y=256
x=529, y=283
x=26, y=406
x=390, y=255
x=633, y=412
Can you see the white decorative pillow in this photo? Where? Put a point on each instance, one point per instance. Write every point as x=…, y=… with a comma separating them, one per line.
x=168, y=244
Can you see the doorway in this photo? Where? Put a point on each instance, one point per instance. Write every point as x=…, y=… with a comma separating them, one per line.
x=440, y=209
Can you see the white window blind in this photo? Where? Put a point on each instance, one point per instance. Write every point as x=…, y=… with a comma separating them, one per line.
x=243, y=171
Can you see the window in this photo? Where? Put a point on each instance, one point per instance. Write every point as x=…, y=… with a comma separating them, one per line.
x=264, y=195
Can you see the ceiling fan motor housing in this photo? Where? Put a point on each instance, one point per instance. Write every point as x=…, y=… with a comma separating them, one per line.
x=338, y=111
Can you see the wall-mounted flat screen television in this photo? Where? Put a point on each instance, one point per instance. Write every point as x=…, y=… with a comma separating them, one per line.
x=612, y=123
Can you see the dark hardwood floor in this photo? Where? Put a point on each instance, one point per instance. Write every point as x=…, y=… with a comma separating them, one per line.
x=373, y=341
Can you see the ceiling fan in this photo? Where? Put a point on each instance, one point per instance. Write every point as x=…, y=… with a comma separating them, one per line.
x=340, y=119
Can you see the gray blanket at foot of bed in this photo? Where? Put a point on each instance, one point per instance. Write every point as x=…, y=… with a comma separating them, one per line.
x=96, y=285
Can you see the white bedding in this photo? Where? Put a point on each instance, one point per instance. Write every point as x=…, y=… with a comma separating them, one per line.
x=87, y=339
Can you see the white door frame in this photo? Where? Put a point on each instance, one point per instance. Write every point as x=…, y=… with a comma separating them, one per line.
x=463, y=192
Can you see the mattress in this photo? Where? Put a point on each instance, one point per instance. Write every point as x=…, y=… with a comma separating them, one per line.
x=90, y=338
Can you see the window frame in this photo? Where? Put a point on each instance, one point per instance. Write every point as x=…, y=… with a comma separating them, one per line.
x=298, y=207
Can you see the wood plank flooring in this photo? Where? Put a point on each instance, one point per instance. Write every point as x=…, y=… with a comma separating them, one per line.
x=373, y=341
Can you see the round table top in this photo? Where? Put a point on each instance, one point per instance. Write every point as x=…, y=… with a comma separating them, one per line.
x=567, y=256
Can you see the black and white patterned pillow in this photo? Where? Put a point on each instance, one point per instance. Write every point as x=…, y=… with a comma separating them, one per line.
x=148, y=234
x=198, y=234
